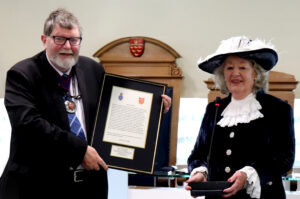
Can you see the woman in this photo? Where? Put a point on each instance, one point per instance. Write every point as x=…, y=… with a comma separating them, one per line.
x=253, y=144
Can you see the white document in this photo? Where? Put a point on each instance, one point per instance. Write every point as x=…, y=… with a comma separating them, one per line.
x=128, y=117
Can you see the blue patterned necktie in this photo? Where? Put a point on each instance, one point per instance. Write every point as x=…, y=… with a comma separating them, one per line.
x=75, y=125
x=74, y=122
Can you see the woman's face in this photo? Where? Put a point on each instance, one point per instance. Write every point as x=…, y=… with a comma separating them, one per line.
x=239, y=76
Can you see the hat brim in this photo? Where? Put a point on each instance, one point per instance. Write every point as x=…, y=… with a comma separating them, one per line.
x=266, y=58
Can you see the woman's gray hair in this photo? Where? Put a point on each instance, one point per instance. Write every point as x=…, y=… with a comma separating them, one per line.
x=62, y=18
x=260, y=82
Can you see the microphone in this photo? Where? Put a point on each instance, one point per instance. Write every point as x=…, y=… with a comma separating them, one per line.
x=217, y=104
x=210, y=188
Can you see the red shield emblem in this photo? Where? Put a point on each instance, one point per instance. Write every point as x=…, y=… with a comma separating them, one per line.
x=141, y=100
x=136, y=46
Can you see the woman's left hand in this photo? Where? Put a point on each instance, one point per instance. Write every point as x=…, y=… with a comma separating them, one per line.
x=239, y=180
x=167, y=101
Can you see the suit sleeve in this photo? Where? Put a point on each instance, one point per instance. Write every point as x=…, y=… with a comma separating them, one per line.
x=35, y=136
x=199, y=154
x=281, y=144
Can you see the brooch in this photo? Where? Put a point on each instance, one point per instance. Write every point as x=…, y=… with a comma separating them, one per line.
x=70, y=106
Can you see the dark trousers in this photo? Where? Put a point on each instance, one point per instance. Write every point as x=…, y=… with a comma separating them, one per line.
x=87, y=184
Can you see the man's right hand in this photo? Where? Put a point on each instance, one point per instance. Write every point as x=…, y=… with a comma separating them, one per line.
x=92, y=160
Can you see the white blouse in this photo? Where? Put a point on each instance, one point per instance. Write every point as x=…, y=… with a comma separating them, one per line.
x=241, y=111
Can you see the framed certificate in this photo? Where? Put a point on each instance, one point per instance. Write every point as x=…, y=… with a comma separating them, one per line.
x=127, y=124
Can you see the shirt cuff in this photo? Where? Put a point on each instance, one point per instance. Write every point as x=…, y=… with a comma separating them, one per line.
x=200, y=169
x=252, y=186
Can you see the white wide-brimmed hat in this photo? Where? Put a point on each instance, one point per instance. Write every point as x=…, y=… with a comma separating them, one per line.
x=260, y=51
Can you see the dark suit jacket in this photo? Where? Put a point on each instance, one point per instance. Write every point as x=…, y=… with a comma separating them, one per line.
x=267, y=144
x=42, y=147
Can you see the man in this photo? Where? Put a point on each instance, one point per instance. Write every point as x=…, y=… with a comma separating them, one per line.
x=46, y=95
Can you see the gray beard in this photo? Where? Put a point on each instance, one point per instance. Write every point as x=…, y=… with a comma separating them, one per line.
x=64, y=64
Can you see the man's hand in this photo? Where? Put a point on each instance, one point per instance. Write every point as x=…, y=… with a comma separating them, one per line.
x=92, y=160
x=167, y=101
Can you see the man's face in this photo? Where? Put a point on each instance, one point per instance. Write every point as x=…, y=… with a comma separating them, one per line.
x=63, y=57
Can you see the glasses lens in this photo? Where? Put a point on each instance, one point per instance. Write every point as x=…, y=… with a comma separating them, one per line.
x=60, y=40
x=75, y=41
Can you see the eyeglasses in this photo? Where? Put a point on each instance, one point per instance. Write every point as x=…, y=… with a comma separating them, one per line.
x=74, y=41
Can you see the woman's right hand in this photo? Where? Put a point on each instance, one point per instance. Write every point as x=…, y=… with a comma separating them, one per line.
x=198, y=177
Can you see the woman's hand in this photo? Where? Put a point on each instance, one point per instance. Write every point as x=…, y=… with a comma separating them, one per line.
x=198, y=177
x=239, y=180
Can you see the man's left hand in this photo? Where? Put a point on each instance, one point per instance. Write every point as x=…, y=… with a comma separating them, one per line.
x=167, y=101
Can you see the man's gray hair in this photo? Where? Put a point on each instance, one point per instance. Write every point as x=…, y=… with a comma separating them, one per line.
x=62, y=18
x=260, y=82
